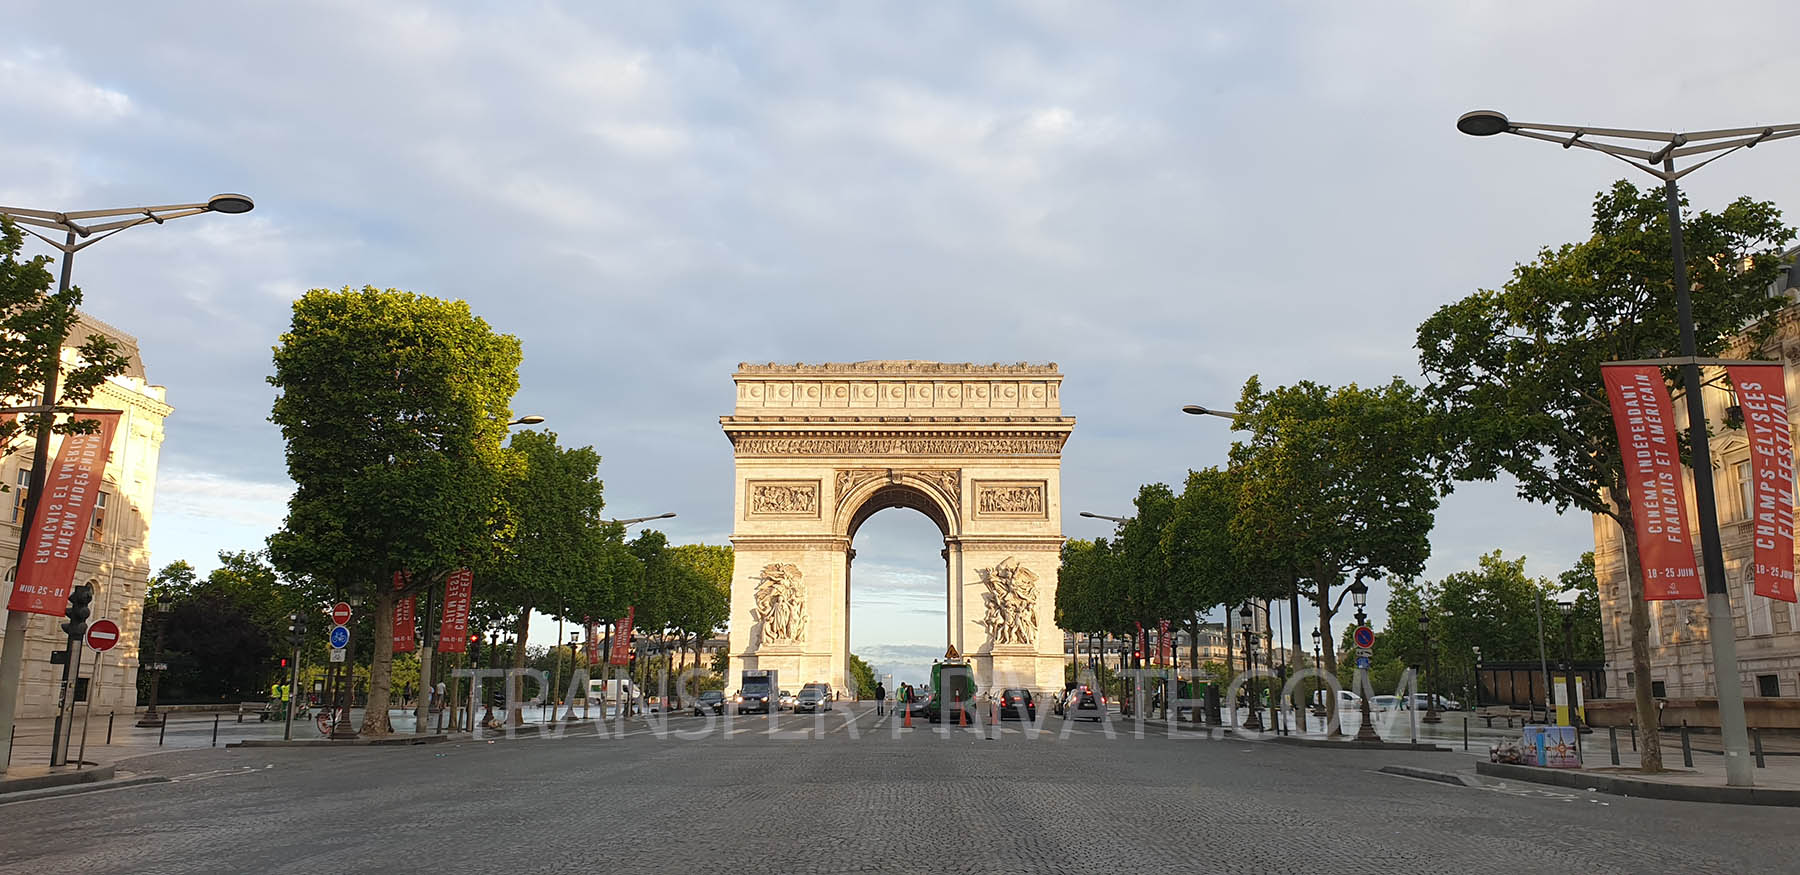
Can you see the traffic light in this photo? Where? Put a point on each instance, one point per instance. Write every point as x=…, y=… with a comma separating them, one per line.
x=284, y=662
x=77, y=611
x=296, y=631
x=475, y=649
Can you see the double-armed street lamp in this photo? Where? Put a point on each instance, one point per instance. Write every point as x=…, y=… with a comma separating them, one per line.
x=1660, y=163
x=79, y=231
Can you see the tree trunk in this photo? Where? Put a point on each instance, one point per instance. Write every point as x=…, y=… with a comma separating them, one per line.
x=516, y=687
x=1649, y=742
x=381, y=665
x=1328, y=644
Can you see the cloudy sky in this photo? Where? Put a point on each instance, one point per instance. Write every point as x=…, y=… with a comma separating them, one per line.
x=1162, y=198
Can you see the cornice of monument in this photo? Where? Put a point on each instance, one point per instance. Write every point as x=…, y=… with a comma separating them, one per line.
x=897, y=368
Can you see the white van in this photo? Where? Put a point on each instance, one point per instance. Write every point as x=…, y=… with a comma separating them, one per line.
x=612, y=691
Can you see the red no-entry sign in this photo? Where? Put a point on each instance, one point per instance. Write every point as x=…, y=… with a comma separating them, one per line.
x=340, y=613
x=103, y=635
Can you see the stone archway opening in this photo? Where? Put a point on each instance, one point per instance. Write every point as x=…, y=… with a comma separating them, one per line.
x=897, y=587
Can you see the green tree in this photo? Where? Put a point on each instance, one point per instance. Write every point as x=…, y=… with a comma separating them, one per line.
x=393, y=406
x=1336, y=483
x=705, y=602
x=1207, y=563
x=1515, y=372
x=862, y=678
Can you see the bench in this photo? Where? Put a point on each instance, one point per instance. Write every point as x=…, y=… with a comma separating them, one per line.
x=262, y=710
x=1507, y=714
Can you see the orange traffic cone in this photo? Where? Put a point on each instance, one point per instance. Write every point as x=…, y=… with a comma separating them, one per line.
x=907, y=708
x=962, y=714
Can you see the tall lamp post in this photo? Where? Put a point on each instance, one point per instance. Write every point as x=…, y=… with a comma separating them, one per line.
x=1248, y=614
x=1734, y=733
x=1567, y=605
x=162, y=608
x=1359, y=596
x=1477, y=678
x=78, y=232
x=1431, y=711
x=1318, y=705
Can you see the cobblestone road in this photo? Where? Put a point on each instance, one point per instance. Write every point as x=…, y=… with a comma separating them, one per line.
x=848, y=795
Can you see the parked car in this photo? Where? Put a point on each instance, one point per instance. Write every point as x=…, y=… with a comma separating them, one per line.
x=1347, y=702
x=813, y=697
x=1386, y=703
x=787, y=701
x=1422, y=702
x=1017, y=704
x=711, y=700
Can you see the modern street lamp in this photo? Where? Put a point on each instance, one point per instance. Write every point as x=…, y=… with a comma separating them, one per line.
x=643, y=519
x=1359, y=596
x=162, y=608
x=1197, y=410
x=1431, y=711
x=1254, y=720
x=1567, y=605
x=1121, y=520
x=1660, y=163
x=74, y=226
x=533, y=419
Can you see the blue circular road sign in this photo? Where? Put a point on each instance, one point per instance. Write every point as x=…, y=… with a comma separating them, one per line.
x=1365, y=636
x=340, y=636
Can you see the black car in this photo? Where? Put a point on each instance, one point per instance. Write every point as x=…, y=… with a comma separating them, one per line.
x=711, y=700
x=1082, y=701
x=813, y=697
x=1017, y=704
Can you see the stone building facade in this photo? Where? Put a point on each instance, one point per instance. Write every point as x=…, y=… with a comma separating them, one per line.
x=1768, y=631
x=116, y=557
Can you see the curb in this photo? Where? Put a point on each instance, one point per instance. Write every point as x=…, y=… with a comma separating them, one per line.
x=1356, y=745
x=76, y=789
x=1648, y=789
x=9, y=786
x=1430, y=775
x=391, y=741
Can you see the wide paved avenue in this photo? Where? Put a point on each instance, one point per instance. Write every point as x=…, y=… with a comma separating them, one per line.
x=848, y=795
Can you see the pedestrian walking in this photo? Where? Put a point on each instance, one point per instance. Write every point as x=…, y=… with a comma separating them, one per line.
x=880, y=699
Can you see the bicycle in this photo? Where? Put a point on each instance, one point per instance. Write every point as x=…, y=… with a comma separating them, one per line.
x=329, y=717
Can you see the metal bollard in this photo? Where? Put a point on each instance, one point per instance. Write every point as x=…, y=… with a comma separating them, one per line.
x=109, y=720
x=1687, y=752
x=1756, y=739
x=162, y=728
x=215, y=741
x=1465, y=733
x=1634, y=736
x=1612, y=736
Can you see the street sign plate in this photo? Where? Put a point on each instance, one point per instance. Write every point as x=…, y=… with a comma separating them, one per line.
x=340, y=613
x=340, y=637
x=1362, y=662
x=337, y=654
x=1364, y=652
x=103, y=635
x=1365, y=637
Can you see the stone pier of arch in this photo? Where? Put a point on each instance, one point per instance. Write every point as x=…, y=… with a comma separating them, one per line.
x=820, y=448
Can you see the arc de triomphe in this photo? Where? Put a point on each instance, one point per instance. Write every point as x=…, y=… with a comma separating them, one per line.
x=821, y=448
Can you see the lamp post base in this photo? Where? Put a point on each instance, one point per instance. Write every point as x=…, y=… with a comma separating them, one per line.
x=1366, y=731
x=152, y=719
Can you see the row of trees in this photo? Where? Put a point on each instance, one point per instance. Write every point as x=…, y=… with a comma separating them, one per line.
x=1330, y=486
x=395, y=408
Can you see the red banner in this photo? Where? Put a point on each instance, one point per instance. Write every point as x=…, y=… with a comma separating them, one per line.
x=59, y=528
x=1645, y=422
x=591, y=645
x=621, y=643
x=1165, y=647
x=1762, y=395
x=453, y=632
x=404, y=612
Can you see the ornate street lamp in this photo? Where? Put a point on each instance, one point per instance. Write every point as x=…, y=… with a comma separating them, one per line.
x=1431, y=711
x=1567, y=605
x=1248, y=614
x=1359, y=596
x=1477, y=678
x=1318, y=706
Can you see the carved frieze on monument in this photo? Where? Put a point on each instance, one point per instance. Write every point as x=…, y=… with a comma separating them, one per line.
x=1006, y=498
x=1011, y=600
x=947, y=480
x=783, y=498
x=780, y=609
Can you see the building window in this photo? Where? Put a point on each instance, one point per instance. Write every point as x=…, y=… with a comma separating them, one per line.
x=20, y=489
x=1746, y=498
x=1756, y=608
x=1768, y=685
x=1659, y=689
x=97, y=528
